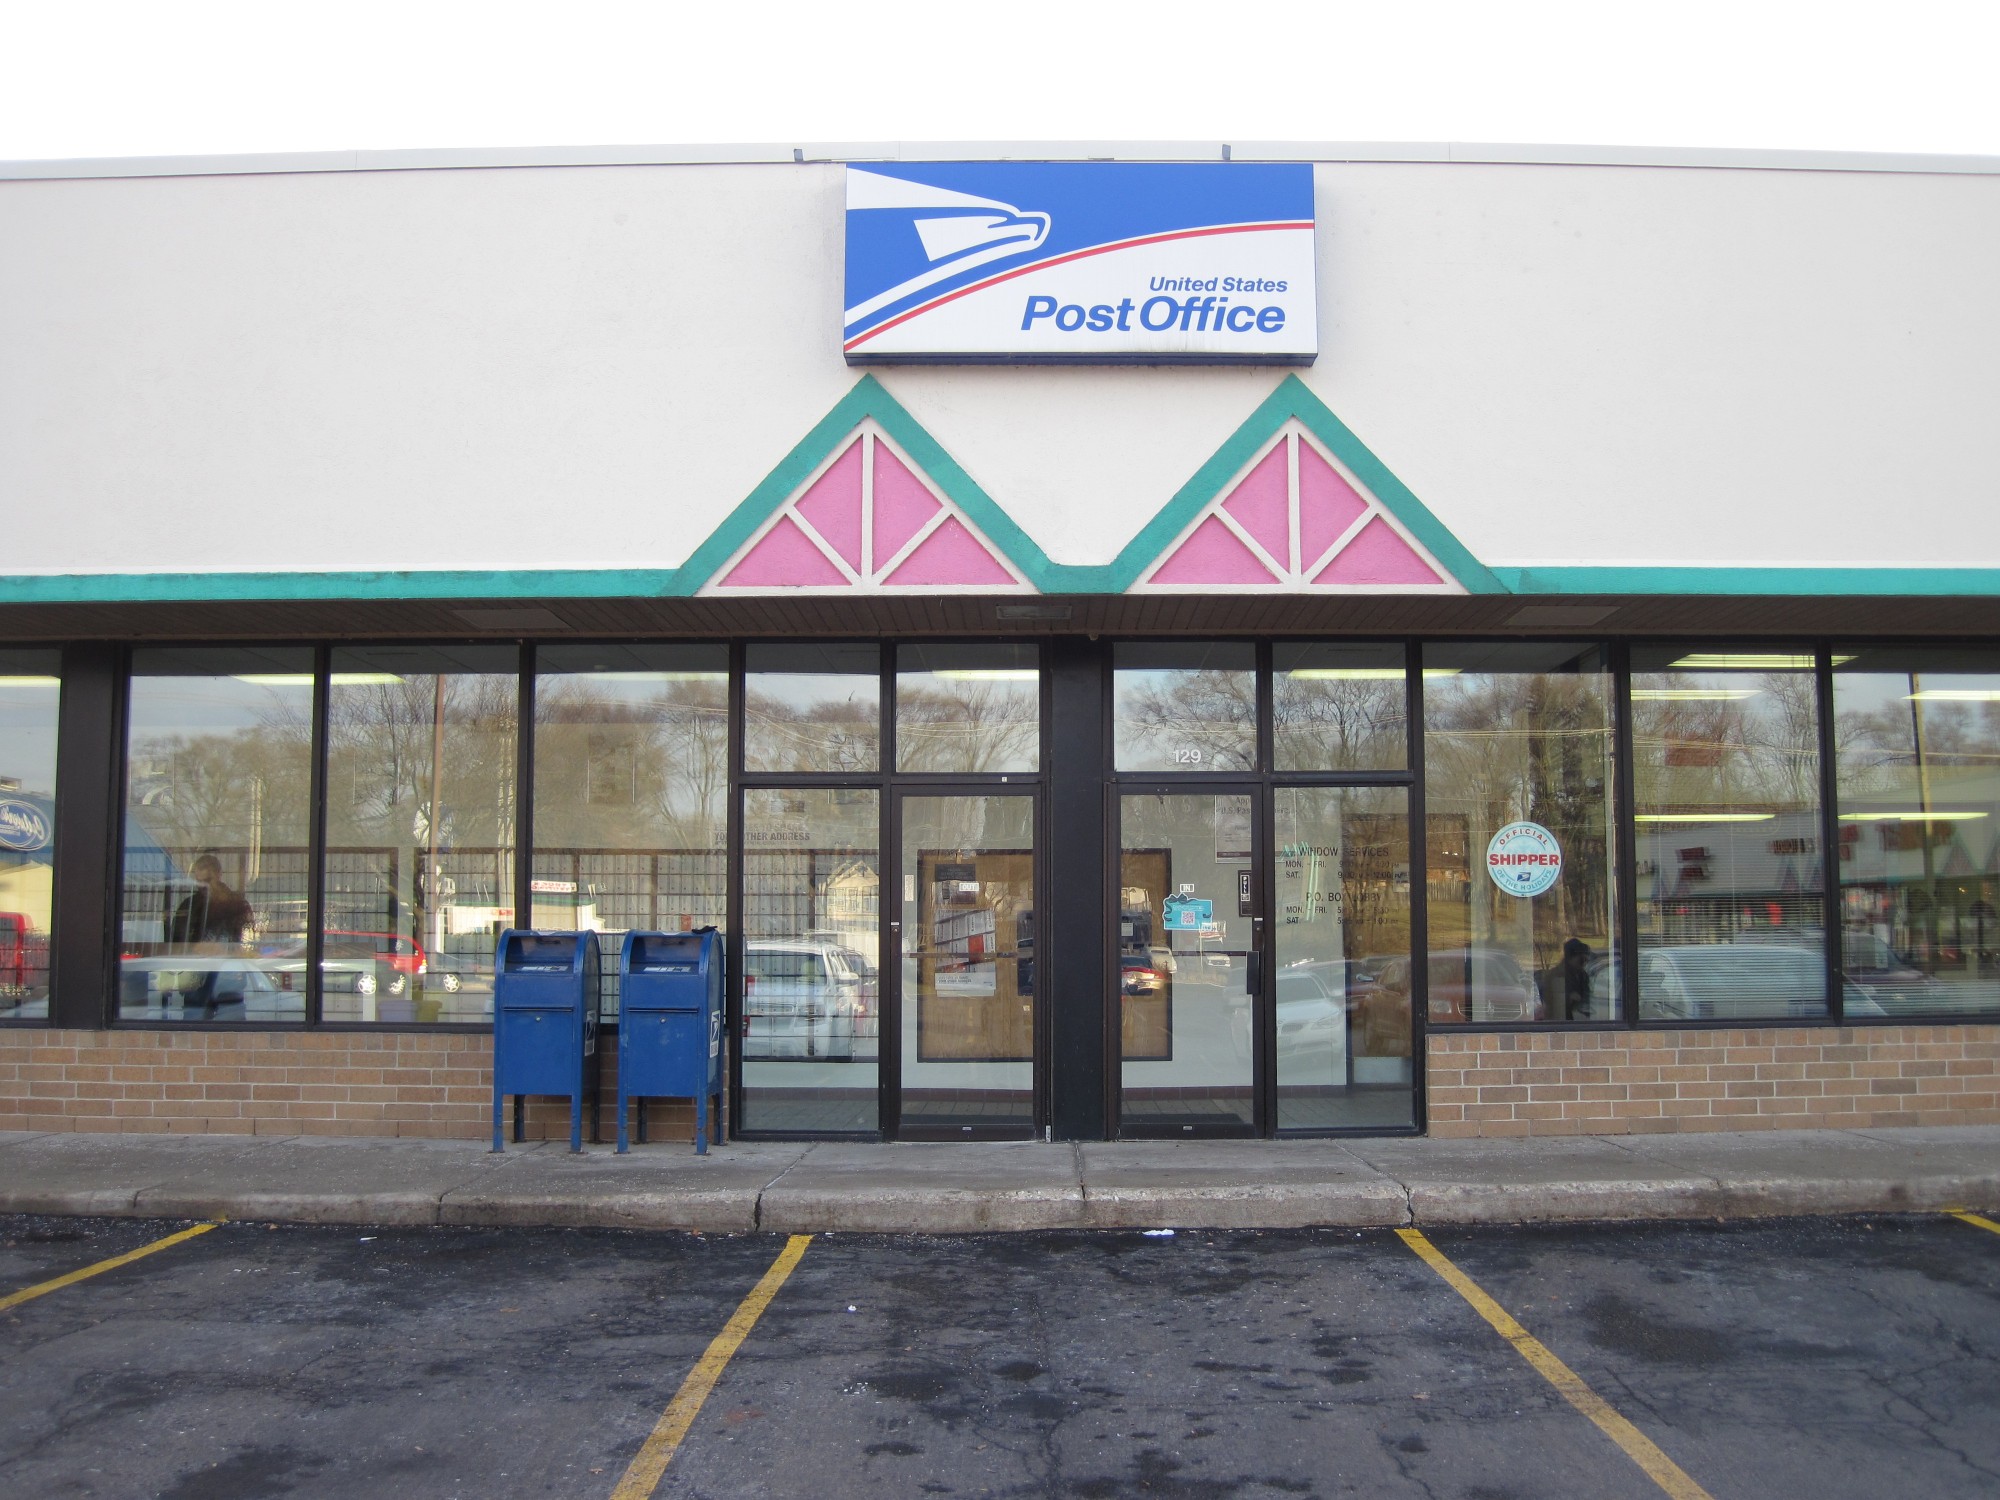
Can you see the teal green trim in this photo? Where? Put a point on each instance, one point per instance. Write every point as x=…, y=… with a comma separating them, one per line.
x=498, y=583
x=1767, y=582
x=869, y=399
x=1293, y=399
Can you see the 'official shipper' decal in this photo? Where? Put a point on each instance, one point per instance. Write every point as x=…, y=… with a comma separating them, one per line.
x=1081, y=262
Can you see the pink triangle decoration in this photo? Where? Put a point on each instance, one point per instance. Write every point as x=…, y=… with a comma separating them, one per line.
x=832, y=514
x=1328, y=505
x=1260, y=505
x=950, y=555
x=833, y=505
x=1347, y=538
x=902, y=504
x=1378, y=555
x=784, y=557
x=1212, y=555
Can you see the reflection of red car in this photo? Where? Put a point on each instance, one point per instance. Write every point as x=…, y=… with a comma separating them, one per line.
x=24, y=953
x=404, y=955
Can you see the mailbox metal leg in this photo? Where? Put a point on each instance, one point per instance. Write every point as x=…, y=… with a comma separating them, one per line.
x=642, y=1119
x=497, y=1146
x=520, y=1118
x=576, y=1123
x=624, y=1144
x=715, y=1116
x=701, y=1124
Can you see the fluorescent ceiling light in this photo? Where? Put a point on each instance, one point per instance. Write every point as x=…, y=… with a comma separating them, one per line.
x=1954, y=695
x=1910, y=817
x=30, y=682
x=987, y=674
x=1704, y=817
x=365, y=679
x=651, y=677
x=1765, y=660
x=1692, y=695
x=305, y=679
x=1363, y=674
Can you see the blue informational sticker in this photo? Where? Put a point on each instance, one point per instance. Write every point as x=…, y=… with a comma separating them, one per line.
x=1524, y=859
x=1186, y=914
x=1090, y=262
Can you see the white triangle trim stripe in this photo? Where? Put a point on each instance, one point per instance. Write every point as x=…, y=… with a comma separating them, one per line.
x=1296, y=574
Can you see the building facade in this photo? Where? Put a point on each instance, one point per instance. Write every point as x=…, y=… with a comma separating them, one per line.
x=1554, y=688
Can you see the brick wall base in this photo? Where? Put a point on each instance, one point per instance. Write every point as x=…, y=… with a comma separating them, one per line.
x=280, y=1083
x=1479, y=1084
x=1653, y=1082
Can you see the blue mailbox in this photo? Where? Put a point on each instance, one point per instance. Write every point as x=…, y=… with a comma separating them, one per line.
x=670, y=1026
x=545, y=987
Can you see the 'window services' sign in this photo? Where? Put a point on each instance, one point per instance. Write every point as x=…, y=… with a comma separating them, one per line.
x=1060, y=262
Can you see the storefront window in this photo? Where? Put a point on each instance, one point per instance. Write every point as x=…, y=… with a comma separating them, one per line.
x=812, y=708
x=1517, y=793
x=631, y=792
x=1185, y=706
x=1731, y=875
x=419, y=877
x=810, y=1034
x=218, y=787
x=1339, y=708
x=1917, y=733
x=30, y=694
x=968, y=709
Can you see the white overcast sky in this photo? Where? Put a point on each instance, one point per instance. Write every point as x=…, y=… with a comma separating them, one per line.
x=84, y=78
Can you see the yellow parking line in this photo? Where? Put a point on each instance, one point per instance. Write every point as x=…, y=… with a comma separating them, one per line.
x=1973, y=1218
x=644, y=1476
x=42, y=1289
x=1641, y=1449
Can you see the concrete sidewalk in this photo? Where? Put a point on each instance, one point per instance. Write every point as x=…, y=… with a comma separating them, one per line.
x=959, y=1187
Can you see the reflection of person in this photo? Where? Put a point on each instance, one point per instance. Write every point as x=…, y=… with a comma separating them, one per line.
x=1565, y=984
x=211, y=912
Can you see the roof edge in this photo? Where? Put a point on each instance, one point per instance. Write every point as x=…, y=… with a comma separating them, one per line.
x=1460, y=153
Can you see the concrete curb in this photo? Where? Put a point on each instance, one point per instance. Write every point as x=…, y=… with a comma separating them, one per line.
x=956, y=1189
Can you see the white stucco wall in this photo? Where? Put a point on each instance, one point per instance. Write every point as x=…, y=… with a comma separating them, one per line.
x=1568, y=364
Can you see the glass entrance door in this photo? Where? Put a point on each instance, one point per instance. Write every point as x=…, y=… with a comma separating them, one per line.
x=1340, y=939
x=1189, y=962
x=1230, y=1023
x=965, y=937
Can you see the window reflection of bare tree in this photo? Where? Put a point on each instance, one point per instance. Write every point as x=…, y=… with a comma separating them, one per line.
x=418, y=763
x=1335, y=723
x=971, y=726
x=631, y=773
x=1761, y=750
x=1167, y=713
x=1511, y=746
x=821, y=735
x=243, y=793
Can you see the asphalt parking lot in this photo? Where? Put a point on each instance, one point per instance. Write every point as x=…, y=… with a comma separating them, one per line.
x=1821, y=1358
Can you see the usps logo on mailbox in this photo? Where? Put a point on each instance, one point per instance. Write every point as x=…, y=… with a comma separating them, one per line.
x=1080, y=262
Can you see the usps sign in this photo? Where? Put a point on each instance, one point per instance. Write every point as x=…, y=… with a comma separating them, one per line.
x=1080, y=262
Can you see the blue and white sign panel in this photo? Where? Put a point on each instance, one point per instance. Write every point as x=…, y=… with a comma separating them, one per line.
x=1524, y=859
x=1080, y=262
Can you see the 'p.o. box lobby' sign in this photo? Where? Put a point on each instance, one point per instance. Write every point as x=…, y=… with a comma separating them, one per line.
x=1061, y=262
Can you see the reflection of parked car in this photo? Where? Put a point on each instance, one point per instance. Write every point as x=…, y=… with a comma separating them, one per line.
x=404, y=956
x=1480, y=985
x=1143, y=973
x=24, y=955
x=212, y=985
x=803, y=1000
x=1884, y=974
x=1749, y=981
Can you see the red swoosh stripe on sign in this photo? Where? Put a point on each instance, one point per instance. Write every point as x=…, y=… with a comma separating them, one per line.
x=1056, y=260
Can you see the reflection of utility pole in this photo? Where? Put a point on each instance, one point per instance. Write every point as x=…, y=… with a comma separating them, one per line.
x=432, y=907
x=1924, y=807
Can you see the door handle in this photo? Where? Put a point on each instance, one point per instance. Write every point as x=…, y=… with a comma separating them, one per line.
x=1253, y=972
